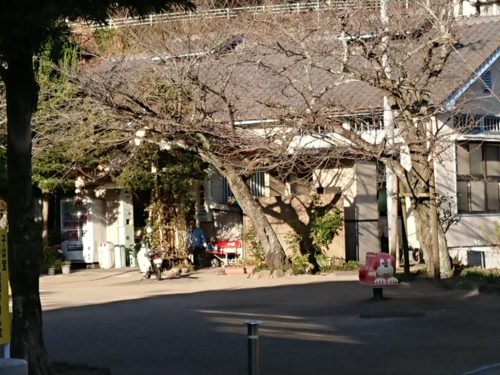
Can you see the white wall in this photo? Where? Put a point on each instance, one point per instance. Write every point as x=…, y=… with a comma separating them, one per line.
x=344, y=178
x=367, y=209
x=119, y=217
x=467, y=9
x=358, y=185
x=470, y=235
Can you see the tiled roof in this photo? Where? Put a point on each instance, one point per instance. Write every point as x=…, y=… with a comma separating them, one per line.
x=262, y=82
x=479, y=38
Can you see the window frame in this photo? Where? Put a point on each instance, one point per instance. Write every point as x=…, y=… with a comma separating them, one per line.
x=475, y=181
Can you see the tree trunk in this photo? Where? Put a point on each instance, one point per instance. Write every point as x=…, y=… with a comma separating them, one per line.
x=434, y=223
x=45, y=218
x=392, y=213
x=423, y=222
x=23, y=240
x=275, y=255
x=404, y=235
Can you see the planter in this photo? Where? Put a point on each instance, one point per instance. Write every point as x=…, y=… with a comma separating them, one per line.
x=66, y=269
x=51, y=271
x=234, y=270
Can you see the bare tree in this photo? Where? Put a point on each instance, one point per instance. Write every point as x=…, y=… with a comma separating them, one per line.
x=287, y=92
x=176, y=119
x=414, y=56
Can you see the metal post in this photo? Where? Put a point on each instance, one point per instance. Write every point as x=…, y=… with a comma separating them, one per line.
x=378, y=293
x=253, y=346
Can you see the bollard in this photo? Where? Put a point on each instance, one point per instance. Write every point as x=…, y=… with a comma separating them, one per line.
x=253, y=346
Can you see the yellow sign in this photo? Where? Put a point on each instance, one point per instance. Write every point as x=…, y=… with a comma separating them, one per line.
x=4, y=290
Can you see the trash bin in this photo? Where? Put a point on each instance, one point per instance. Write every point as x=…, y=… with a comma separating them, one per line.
x=106, y=254
x=132, y=259
x=120, y=260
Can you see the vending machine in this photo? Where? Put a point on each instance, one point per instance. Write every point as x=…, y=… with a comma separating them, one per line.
x=82, y=228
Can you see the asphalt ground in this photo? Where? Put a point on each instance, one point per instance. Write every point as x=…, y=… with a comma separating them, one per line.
x=326, y=324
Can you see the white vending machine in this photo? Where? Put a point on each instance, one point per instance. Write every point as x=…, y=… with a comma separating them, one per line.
x=82, y=228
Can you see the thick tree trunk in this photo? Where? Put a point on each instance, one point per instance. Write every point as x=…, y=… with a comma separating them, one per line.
x=423, y=222
x=24, y=240
x=275, y=255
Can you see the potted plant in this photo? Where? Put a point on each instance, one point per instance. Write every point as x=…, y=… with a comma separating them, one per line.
x=242, y=266
x=66, y=267
x=51, y=270
x=50, y=261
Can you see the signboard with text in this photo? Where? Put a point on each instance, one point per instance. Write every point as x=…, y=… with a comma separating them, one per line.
x=4, y=290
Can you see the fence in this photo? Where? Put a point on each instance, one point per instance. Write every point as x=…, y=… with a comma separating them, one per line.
x=298, y=7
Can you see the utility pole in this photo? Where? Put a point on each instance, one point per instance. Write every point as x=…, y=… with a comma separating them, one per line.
x=388, y=117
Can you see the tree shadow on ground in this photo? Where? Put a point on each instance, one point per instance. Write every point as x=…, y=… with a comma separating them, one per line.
x=71, y=369
x=307, y=329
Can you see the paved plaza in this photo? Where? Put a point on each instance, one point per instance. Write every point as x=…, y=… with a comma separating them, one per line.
x=326, y=324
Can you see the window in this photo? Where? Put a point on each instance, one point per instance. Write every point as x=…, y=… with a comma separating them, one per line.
x=487, y=81
x=478, y=177
x=257, y=184
x=367, y=123
x=227, y=193
x=201, y=207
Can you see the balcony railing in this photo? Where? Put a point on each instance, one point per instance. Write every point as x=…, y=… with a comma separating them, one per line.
x=477, y=124
x=489, y=124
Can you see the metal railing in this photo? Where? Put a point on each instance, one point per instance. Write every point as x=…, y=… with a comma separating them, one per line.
x=298, y=7
x=490, y=124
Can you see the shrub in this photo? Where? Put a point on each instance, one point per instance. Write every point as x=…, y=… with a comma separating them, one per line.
x=325, y=227
x=325, y=262
x=256, y=255
x=351, y=265
x=300, y=262
x=481, y=274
